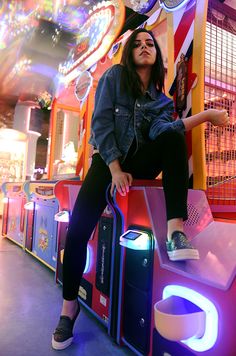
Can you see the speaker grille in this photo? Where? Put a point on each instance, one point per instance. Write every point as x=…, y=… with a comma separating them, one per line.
x=193, y=216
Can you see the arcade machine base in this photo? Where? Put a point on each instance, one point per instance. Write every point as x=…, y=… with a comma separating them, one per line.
x=176, y=308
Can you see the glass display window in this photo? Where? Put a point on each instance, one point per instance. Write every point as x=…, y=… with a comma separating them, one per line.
x=13, y=150
x=67, y=138
x=13, y=158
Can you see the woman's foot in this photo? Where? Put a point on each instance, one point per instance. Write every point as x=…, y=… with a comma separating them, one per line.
x=179, y=248
x=63, y=334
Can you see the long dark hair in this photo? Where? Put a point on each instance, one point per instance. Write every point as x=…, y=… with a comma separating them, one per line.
x=130, y=80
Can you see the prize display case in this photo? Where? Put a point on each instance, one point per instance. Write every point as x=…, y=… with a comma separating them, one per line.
x=13, y=152
x=67, y=149
x=66, y=142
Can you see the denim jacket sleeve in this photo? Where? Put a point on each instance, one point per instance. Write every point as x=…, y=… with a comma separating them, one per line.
x=164, y=120
x=103, y=125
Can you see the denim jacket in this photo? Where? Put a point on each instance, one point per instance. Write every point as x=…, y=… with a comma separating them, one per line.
x=118, y=118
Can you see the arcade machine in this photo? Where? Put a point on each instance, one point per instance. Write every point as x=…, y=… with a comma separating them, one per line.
x=183, y=308
x=67, y=153
x=18, y=152
x=41, y=228
x=66, y=160
x=13, y=160
x=175, y=308
x=13, y=219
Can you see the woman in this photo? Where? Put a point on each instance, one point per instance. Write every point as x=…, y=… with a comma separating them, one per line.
x=133, y=136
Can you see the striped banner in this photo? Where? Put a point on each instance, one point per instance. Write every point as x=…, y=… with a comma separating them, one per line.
x=183, y=25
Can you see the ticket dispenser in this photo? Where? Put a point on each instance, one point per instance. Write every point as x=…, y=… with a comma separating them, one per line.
x=189, y=305
x=138, y=243
x=97, y=292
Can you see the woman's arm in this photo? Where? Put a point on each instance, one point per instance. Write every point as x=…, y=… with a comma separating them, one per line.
x=103, y=126
x=214, y=116
x=162, y=112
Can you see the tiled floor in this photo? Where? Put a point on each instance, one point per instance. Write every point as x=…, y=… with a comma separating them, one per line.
x=30, y=304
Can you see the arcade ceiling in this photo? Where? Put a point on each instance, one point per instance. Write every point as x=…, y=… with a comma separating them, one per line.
x=40, y=42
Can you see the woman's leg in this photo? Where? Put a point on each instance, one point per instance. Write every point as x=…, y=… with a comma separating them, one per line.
x=168, y=154
x=89, y=205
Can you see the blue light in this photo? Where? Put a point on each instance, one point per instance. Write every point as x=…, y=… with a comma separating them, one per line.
x=88, y=260
x=29, y=206
x=62, y=216
x=211, y=330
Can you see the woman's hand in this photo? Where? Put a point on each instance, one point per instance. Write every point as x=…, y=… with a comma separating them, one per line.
x=217, y=117
x=214, y=116
x=122, y=181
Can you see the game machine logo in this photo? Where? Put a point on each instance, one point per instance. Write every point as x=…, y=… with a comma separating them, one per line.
x=142, y=6
x=172, y=5
x=83, y=85
x=101, y=23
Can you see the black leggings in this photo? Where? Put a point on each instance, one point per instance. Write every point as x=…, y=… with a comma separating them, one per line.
x=167, y=153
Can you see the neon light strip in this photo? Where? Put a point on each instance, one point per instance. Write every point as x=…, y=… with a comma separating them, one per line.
x=88, y=260
x=209, y=338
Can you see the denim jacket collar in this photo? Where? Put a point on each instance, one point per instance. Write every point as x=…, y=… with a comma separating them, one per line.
x=152, y=91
